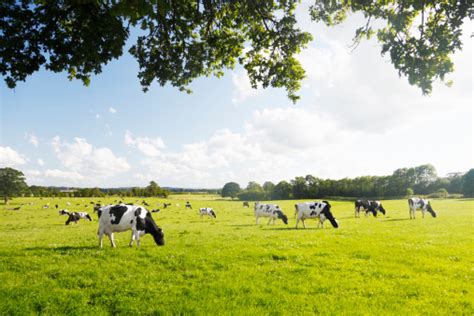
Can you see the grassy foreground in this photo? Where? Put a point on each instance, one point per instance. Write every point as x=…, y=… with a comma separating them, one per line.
x=385, y=265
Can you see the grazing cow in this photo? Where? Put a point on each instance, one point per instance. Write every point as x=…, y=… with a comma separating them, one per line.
x=368, y=207
x=319, y=210
x=246, y=204
x=75, y=216
x=121, y=217
x=155, y=211
x=207, y=211
x=165, y=205
x=420, y=204
x=57, y=206
x=188, y=205
x=46, y=205
x=145, y=203
x=63, y=212
x=272, y=211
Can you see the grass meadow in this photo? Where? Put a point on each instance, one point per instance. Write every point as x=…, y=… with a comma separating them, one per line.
x=229, y=265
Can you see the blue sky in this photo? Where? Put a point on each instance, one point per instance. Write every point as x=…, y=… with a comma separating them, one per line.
x=356, y=117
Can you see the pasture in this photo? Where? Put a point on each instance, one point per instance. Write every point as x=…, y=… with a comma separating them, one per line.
x=228, y=265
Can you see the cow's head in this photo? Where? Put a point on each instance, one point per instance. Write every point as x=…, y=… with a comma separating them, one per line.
x=382, y=210
x=430, y=210
x=327, y=212
x=282, y=216
x=213, y=214
x=154, y=230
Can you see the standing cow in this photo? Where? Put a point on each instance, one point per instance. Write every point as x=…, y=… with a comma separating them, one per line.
x=420, y=204
x=368, y=207
x=272, y=211
x=317, y=210
x=121, y=217
x=203, y=211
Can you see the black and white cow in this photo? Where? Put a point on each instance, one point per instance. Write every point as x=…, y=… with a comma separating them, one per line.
x=121, y=217
x=188, y=205
x=318, y=210
x=75, y=216
x=272, y=211
x=165, y=205
x=246, y=204
x=207, y=211
x=420, y=204
x=368, y=207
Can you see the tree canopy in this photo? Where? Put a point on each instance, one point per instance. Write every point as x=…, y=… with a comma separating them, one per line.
x=12, y=183
x=183, y=40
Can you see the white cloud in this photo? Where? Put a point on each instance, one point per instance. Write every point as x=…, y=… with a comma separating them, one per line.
x=40, y=162
x=63, y=175
x=11, y=158
x=112, y=110
x=32, y=139
x=151, y=147
x=242, y=87
x=82, y=158
x=97, y=116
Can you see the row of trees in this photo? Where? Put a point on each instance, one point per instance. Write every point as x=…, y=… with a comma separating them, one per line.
x=13, y=183
x=422, y=180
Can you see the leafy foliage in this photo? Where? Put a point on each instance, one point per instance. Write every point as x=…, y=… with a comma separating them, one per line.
x=418, y=35
x=468, y=183
x=183, y=40
x=231, y=189
x=12, y=183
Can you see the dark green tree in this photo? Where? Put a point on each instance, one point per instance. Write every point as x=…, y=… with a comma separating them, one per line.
x=468, y=183
x=12, y=183
x=268, y=187
x=282, y=191
x=231, y=189
x=183, y=40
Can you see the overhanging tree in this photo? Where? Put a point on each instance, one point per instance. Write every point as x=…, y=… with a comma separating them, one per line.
x=183, y=40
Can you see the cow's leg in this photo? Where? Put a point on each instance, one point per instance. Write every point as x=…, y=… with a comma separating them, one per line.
x=132, y=239
x=304, y=225
x=423, y=213
x=269, y=221
x=297, y=221
x=111, y=238
x=257, y=219
x=137, y=237
x=356, y=212
x=101, y=234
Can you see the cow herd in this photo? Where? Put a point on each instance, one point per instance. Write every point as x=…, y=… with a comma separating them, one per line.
x=122, y=217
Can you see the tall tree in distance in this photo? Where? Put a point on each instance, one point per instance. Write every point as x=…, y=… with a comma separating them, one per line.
x=231, y=189
x=468, y=183
x=183, y=40
x=12, y=183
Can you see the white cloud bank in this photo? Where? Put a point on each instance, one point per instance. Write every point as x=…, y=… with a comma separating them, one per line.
x=11, y=158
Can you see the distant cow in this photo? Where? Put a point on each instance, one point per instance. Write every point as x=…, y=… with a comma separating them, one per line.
x=420, y=204
x=188, y=205
x=165, y=205
x=75, y=216
x=246, y=204
x=368, y=207
x=120, y=218
x=272, y=211
x=207, y=211
x=318, y=210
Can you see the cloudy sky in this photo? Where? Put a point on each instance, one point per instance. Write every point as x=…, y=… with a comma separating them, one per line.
x=355, y=117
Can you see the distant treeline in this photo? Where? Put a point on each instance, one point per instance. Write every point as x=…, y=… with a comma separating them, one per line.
x=152, y=190
x=421, y=180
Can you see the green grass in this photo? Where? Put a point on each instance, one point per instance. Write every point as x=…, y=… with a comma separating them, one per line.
x=385, y=265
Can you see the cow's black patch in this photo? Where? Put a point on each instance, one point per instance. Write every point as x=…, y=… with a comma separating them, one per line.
x=430, y=210
x=116, y=212
x=313, y=213
x=281, y=216
x=138, y=211
x=312, y=207
x=327, y=212
x=73, y=217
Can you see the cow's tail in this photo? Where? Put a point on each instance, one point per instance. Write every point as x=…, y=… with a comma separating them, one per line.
x=296, y=210
x=410, y=203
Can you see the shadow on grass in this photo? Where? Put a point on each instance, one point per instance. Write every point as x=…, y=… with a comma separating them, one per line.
x=63, y=249
x=293, y=228
x=396, y=220
x=243, y=225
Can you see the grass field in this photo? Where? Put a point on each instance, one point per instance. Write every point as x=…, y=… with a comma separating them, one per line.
x=385, y=265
